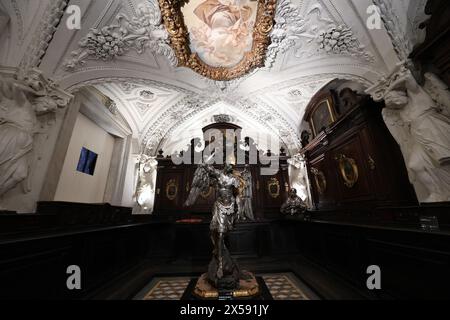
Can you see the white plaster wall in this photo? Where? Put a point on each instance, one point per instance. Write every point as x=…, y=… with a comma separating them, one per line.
x=75, y=186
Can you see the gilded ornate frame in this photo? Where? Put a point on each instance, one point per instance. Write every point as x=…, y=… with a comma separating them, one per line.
x=274, y=183
x=170, y=184
x=179, y=39
x=331, y=112
x=349, y=180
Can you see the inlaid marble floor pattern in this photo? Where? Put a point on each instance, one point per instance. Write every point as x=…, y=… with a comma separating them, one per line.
x=168, y=289
x=282, y=286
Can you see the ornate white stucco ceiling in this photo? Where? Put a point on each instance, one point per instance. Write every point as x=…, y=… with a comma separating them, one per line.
x=313, y=42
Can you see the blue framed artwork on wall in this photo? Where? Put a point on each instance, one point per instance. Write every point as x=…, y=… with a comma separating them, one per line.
x=87, y=162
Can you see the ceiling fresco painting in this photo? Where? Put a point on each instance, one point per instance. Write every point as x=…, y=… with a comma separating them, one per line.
x=221, y=31
x=219, y=39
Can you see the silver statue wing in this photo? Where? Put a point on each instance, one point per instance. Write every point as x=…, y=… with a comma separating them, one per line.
x=201, y=183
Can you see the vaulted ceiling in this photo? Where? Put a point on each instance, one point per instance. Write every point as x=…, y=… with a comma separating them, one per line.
x=313, y=43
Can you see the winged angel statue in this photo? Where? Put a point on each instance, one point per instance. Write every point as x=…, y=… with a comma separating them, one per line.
x=223, y=271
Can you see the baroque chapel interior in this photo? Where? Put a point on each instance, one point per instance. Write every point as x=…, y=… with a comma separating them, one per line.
x=225, y=149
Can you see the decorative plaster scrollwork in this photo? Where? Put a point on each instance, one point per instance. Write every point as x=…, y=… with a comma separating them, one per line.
x=289, y=23
x=224, y=88
x=180, y=112
x=341, y=40
x=139, y=33
x=109, y=103
x=147, y=94
x=311, y=35
x=43, y=35
x=404, y=38
x=112, y=107
x=128, y=85
x=314, y=82
x=221, y=118
x=190, y=106
x=264, y=113
x=142, y=107
x=19, y=18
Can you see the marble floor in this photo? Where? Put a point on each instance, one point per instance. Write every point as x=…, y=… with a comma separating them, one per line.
x=282, y=286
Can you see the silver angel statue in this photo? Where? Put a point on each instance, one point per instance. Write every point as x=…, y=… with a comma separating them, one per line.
x=223, y=271
x=294, y=204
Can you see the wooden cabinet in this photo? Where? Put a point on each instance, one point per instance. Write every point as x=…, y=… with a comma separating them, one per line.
x=174, y=182
x=355, y=162
x=273, y=192
x=170, y=191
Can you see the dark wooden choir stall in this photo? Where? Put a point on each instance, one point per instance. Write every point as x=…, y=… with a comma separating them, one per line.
x=354, y=163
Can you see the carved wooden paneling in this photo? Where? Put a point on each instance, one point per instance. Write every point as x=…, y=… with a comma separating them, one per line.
x=352, y=151
x=414, y=264
x=272, y=192
x=170, y=189
x=323, y=182
x=265, y=203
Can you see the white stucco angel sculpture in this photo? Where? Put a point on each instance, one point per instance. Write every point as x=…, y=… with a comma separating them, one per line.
x=299, y=177
x=421, y=130
x=146, y=181
x=17, y=126
x=22, y=100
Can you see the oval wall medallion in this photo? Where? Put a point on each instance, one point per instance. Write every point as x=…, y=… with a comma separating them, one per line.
x=273, y=187
x=349, y=170
x=172, y=190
